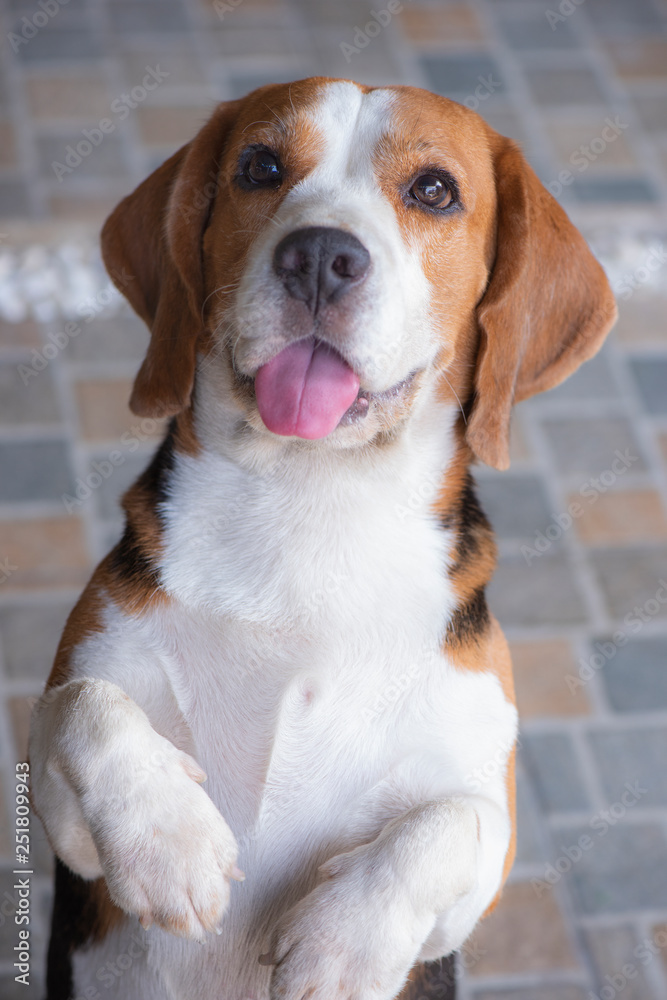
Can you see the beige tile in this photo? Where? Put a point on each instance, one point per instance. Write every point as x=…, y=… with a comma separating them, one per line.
x=659, y=934
x=540, y=671
x=43, y=553
x=577, y=141
x=15, y=336
x=641, y=320
x=662, y=441
x=103, y=407
x=52, y=97
x=428, y=27
x=637, y=59
x=7, y=145
x=76, y=208
x=519, y=447
x=170, y=126
x=524, y=934
x=622, y=518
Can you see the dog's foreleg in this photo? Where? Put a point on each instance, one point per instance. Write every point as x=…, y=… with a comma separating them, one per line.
x=415, y=892
x=119, y=800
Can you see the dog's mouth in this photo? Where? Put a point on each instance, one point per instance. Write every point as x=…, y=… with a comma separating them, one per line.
x=309, y=389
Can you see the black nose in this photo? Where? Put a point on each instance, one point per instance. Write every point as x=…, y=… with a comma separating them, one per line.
x=319, y=265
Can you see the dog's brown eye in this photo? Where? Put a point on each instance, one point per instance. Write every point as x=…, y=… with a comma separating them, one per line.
x=262, y=168
x=432, y=191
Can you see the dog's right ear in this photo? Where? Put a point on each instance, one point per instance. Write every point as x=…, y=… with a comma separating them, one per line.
x=152, y=248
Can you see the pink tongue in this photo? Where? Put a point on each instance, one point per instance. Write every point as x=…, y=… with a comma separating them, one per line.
x=305, y=390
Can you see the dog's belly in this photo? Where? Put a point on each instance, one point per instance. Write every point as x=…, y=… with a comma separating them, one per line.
x=309, y=749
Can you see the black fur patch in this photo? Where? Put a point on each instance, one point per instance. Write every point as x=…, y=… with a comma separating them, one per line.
x=73, y=924
x=470, y=621
x=432, y=981
x=470, y=522
x=129, y=561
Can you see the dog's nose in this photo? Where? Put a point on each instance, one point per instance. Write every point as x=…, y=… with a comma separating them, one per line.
x=319, y=265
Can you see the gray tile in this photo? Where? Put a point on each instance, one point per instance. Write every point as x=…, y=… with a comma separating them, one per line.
x=34, y=470
x=14, y=201
x=615, y=190
x=29, y=635
x=130, y=16
x=590, y=447
x=627, y=757
x=527, y=34
x=594, y=380
x=107, y=497
x=630, y=581
x=26, y=392
x=516, y=505
x=55, y=45
x=651, y=378
x=457, y=75
x=636, y=676
x=551, y=761
x=528, y=844
x=544, y=593
x=614, y=16
x=652, y=110
x=241, y=84
x=9, y=988
x=623, y=870
x=534, y=993
x=612, y=948
x=104, y=160
x=553, y=86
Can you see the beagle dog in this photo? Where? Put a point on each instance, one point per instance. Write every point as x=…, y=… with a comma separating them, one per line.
x=260, y=756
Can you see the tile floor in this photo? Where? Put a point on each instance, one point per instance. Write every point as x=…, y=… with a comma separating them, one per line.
x=581, y=516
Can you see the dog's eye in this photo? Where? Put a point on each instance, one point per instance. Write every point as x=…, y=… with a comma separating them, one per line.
x=432, y=191
x=262, y=168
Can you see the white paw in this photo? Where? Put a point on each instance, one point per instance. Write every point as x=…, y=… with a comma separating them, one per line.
x=166, y=852
x=354, y=937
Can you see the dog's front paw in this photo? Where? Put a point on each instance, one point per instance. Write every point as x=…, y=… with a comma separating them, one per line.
x=354, y=937
x=166, y=852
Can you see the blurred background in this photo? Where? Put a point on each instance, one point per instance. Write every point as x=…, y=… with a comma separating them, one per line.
x=95, y=94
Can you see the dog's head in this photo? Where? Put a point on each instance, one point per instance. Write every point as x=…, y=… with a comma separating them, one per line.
x=342, y=251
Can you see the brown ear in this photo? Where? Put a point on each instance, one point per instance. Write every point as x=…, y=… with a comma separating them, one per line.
x=152, y=248
x=547, y=307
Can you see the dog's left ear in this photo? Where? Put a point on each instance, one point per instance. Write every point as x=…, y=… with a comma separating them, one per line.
x=152, y=248
x=547, y=307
